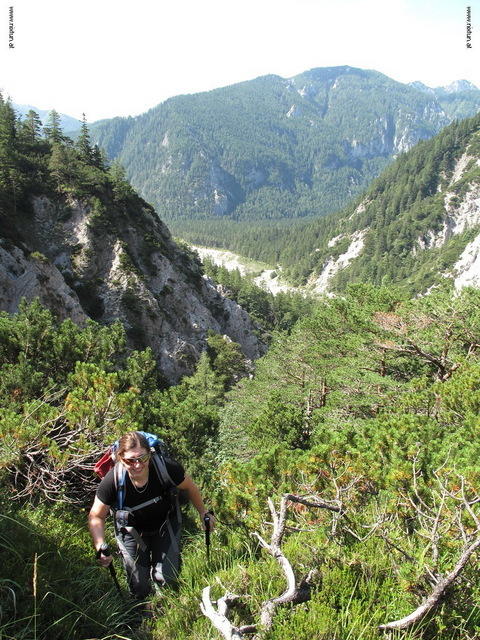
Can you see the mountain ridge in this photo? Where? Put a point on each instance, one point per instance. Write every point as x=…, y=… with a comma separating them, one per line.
x=269, y=148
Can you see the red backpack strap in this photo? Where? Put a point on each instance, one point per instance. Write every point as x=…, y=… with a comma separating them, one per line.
x=103, y=466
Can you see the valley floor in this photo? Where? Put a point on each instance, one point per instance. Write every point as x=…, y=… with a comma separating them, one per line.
x=265, y=276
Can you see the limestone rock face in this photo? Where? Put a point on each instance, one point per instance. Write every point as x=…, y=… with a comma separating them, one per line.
x=34, y=277
x=107, y=264
x=320, y=283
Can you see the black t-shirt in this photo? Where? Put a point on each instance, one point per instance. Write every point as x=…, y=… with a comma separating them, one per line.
x=151, y=517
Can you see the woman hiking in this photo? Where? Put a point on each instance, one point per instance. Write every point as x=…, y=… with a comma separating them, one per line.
x=142, y=490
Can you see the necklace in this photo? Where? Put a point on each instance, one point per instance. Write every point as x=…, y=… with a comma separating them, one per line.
x=143, y=489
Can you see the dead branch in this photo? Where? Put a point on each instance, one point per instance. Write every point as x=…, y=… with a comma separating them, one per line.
x=51, y=465
x=219, y=617
x=293, y=593
x=274, y=549
x=319, y=504
x=434, y=598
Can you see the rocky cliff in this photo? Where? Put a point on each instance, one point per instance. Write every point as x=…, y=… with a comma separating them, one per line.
x=88, y=258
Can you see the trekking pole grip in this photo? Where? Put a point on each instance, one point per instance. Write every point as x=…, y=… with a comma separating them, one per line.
x=206, y=519
x=103, y=551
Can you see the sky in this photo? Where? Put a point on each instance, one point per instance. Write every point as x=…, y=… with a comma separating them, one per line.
x=109, y=58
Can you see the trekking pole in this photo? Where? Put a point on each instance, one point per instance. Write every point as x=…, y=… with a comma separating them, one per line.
x=206, y=520
x=105, y=551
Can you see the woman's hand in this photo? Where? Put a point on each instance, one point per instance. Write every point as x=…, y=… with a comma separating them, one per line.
x=103, y=554
x=208, y=520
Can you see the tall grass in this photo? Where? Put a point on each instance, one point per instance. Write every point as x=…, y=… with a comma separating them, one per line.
x=51, y=588
x=50, y=585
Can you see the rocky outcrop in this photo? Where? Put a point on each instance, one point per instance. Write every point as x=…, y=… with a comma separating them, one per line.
x=467, y=268
x=30, y=276
x=82, y=259
x=321, y=283
x=461, y=213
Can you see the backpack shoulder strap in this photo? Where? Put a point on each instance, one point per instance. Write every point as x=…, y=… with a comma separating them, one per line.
x=161, y=467
x=119, y=474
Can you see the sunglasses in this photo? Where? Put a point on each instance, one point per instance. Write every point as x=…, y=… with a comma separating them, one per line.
x=131, y=461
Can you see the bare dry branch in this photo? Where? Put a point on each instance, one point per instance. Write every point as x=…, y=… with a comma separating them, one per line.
x=319, y=504
x=293, y=593
x=436, y=594
x=219, y=617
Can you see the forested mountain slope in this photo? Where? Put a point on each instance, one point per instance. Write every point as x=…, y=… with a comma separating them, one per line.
x=273, y=147
x=77, y=236
x=418, y=222
x=360, y=424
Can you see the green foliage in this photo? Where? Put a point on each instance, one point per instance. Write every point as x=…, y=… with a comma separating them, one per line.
x=272, y=146
x=342, y=374
x=52, y=164
x=121, y=187
x=360, y=400
x=271, y=312
x=51, y=588
x=187, y=416
x=399, y=212
x=226, y=359
x=370, y=402
x=61, y=389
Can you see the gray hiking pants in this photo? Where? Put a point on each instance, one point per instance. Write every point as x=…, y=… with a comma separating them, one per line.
x=151, y=556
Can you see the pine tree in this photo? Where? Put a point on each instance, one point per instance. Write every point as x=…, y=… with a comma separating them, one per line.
x=8, y=148
x=83, y=144
x=63, y=165
x=31, y=127
x=53, y=129
x=121, y=187
x=99, y=158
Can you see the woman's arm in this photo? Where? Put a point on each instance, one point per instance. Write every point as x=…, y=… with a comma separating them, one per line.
x=96, y=524
x=196, y=499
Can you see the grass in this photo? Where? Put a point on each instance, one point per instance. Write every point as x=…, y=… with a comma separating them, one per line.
x=52, y=589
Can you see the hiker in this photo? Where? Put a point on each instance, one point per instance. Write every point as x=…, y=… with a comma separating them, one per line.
x=147, y=516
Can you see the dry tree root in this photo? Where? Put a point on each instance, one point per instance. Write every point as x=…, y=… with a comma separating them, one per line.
x=293, y=594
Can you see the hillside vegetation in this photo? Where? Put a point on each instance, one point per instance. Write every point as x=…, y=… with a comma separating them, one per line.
x=369, y=406
x=349, y=455
x=417, y=218
x=275, y=148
